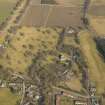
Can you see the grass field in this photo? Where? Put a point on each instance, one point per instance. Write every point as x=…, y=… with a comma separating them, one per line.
x=97, y=2
x=25, y=45
x=7, y=98
x=94, y=61
x=66, y=101
x=98, y=24
x=96, y=16
x=72, y=84
x=5, y=8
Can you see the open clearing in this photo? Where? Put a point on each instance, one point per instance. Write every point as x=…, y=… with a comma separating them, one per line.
x=72, y=84
x=52, y=15
x=96, y=16
x=7, y=98
x=95, y=63
x=6, y=7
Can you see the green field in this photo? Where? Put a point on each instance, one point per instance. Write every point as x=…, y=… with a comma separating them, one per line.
x=6, y=7
x=7, y=98
x=95, y=63
x=66, y=101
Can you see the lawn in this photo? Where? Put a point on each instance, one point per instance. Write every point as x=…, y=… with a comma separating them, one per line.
x=7, y=98
x=95, y=63
x=6, y=7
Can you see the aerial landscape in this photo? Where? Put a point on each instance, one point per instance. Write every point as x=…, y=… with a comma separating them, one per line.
x=52, y=52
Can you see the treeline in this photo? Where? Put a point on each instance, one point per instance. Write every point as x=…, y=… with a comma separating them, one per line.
x=100, y=43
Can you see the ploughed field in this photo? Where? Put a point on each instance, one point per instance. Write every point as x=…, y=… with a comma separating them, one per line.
x=51, y=16
x=96, y=65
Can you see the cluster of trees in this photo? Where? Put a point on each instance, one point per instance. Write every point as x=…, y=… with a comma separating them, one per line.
x=100, y=42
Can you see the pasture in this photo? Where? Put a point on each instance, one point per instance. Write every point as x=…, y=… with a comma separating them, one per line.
x=95, y=63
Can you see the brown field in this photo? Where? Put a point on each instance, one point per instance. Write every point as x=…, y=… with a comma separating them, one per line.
x=6, y=6
x=44, y=15
x=96, y=16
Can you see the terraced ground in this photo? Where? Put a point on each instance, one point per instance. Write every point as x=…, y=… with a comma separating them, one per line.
x=8, y=98
x=6, y=7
